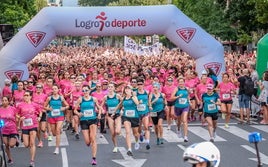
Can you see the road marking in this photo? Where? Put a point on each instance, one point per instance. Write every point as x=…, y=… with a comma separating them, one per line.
x=63, y=140
x=171, y=136
x=264, y=158
x=64, y=157
x=128, y=160
x=261, y=127
x=237, y=132
x=181, y=147
x=101, y=139
x=203, y=133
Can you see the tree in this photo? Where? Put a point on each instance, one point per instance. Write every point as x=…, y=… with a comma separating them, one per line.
x=40, y=4
x=94, y=2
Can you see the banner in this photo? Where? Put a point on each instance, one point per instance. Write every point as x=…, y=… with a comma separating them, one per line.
x=130, y=46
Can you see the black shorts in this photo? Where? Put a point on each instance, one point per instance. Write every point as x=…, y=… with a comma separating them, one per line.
x=214, y=116
x=43, y=117
x=143, y=115
x=160, y=115
x=11, y=136
x=170, y=103
x=85, y=124
x=114, y=116
x=27, y=131
x=200, y=108
x=135, y=122
x=227, y=102
x=192, y=98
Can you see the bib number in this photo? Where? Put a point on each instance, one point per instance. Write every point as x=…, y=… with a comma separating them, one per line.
x=141, y=107
x=28, y=122
x=130, y=113
x=182, y=100
x=55, y=112
x=153, y=114
x=88, y=113
x=111, y=110
x=211, y=107
x=226, y=96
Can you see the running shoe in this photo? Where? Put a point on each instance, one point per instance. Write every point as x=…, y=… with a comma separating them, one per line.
x=158, y=141
x=129, y=153
x=141, y=137
x=10, y=162
x=226, y=126
x=168, y=128
x=57, y=151
x=77, y=136
x=186, y=139
x=115, y=150
x=214, y=134
x=137, y=146
x=40, y=144
x=49, y=138
x=161, y=141
x=148, y=146
x=94, y=162
x=211, y=140
x=31, y=164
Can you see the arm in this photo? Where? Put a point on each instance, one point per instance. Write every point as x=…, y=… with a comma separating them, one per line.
x=76, y=107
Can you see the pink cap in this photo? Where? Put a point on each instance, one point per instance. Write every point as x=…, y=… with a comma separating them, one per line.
x=91, y=69
x=154, y=70
x=170, y=71
x=105, y=81
x=210, y=86
x=162, y=71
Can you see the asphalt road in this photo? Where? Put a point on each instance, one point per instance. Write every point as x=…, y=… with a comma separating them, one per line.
x=233, y=143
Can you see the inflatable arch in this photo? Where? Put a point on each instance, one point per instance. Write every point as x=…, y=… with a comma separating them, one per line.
x=109, y=21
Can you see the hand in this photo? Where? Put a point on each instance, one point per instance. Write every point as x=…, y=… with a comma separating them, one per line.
x=22, y=118
x=99, y=116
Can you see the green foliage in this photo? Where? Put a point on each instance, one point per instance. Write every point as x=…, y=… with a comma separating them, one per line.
x=95, y=2
x=16, y=12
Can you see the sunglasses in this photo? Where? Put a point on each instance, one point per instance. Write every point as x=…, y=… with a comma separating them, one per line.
x=38, y=87
x=140, y=83
x=72, y=77
x=134, y=82
x=30, y=81
x=170, y=80
x=85, y=90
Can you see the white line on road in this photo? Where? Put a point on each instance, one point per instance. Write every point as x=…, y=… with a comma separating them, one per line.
x=261, y=127
x=63, y=140
x=171, y=136
x=64, y=157
x=264, y=158
x=181, y=147
x=237, y=132
x=203, y=133
x=101, y=139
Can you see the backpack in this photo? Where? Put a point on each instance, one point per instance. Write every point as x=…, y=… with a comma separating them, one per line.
x=249, y=86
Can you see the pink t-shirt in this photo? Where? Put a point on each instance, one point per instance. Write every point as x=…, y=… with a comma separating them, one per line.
x=190, y=85
x=7, y=91
x=18, y=96
x=168, y=90
x=200, y=90
x=9, y=116
x=225, y=91
x=48, y=90
x=30, y=111
x=39, y=99
x=99, y=96
x=75, y=96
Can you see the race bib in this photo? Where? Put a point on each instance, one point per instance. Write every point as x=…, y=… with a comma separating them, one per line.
x=153, y=114
x=141, y=107
x=130, y=113
x=55, y=112
x=226, y=96
x=111, y=110
x=211, y=107
x=88, y=113
x=182, y=100
x=28, y=122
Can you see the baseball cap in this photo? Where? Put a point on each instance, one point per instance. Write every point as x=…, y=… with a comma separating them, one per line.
x=204, y=72
x=210, y=86
x=162, y=71
x=7, y=81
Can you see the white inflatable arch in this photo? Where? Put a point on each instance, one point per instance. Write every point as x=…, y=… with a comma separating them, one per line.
x=109, y=21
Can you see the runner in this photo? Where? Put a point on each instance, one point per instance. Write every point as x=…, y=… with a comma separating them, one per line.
x=29, y=114
x=143, y=111
x=210, y=101
x=112, y=100
x=9, y=131
x=39, y=98
x=130, y=118
x=182, y=106
x=226, y=90
x=157, y=106
x=88, y=119
x=55, y=105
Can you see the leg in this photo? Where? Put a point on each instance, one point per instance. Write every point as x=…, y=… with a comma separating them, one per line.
x=210, y=126
x=6, y=142
x=127, y=126
x=93, y=134
x=111, y=124
x=184, y=121
x=58, y=133
x=32, y=144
